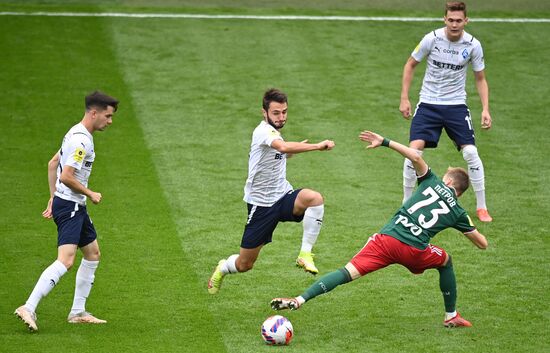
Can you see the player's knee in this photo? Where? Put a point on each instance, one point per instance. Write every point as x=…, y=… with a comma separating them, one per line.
x=313, y=198
x=68, y=262
x=93, y=255
x=469, y=152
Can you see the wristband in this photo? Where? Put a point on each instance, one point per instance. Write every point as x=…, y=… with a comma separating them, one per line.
x=386, y=142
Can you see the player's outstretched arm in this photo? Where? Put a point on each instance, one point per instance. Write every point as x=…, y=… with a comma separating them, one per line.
x=478, y=239
x=376, y=140
x=299, y=147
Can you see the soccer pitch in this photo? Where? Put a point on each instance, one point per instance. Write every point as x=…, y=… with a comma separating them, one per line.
x=172, y=167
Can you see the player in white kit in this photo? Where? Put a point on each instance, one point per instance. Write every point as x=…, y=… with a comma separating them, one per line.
x=68, y=173
x=448, y=52
x=269, y=196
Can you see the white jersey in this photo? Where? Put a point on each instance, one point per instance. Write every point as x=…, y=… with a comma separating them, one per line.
x=445, y=78
x=266, y=182
x=77, y=151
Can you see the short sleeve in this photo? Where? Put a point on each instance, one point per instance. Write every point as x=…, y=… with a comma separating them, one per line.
x=77, y=149
x=423, y=48
x=429, y=175
x=478, y=62
x=464, y=223
x=267, y=135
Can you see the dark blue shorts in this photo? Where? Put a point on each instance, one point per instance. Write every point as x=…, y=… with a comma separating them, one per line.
x=430, y=119
x=74, y=225
x=263, y=220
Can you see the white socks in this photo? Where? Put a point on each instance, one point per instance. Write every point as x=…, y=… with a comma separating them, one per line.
x=409, y=177
x=229, y=266
x=313, y=220
x=49, y=278
x=84, y=281
x=476, y=173
x=449, y=316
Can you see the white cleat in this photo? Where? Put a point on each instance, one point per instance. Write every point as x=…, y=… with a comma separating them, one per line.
x=84, y=318
x=28, y=317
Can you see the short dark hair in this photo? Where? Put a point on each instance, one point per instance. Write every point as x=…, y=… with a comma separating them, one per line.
x=455, y=6
x=100, y=100
x=273, y=95
x=461, y=180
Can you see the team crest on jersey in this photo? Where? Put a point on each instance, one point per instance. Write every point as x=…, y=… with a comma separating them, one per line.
x=79, y=154
x=465, y=53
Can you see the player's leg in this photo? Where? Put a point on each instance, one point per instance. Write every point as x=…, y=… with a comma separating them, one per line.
x=409, y=173
x=46, y=282
x=242, y=262
x=85, y=277
x=417, y=261
x=323, y=285
x=425, y=130
x=369, y=259
x=68, y=223
x=310, y=205
x=460, y=129
x=476, y=173
x=258, y=231
x=447, y=284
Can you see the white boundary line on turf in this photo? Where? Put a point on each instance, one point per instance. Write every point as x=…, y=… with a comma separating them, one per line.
x=257, y=17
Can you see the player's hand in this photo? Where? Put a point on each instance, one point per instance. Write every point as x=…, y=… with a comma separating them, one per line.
x=326, y=145
x=405, y=108
x=372, y=137
x=95, y=197
x=48, y=211
x=486, y=121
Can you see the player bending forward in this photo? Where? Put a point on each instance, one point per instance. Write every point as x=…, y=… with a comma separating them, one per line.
x=405, y=238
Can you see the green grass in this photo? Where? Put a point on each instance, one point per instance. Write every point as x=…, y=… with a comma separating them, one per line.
x=172, y=168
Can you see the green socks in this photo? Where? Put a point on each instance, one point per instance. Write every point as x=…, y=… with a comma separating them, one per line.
x=447, y=284
x=327, y=283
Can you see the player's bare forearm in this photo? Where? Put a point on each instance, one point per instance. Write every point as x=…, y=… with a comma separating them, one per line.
x=478, y=239
x=300, y=147
x=377, y=140
x=483, y=91
x=408, y=74
x=52, y=173
x=67, y=177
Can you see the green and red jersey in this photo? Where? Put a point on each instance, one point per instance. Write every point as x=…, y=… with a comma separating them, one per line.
x=432, y=208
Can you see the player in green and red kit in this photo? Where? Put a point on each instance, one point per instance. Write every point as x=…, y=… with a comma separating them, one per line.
x=405, y=239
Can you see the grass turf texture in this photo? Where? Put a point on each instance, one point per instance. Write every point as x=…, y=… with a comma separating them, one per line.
x=172, y=167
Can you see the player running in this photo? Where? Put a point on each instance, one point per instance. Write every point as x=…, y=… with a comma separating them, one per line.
x=269, y=196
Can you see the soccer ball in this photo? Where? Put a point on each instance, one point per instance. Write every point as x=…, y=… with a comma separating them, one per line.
x=277, y=330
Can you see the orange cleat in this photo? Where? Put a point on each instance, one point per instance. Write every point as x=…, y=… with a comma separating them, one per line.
x=457, y=321
x=484, y=215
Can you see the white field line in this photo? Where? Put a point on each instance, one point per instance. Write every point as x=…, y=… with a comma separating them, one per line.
x=256, y=17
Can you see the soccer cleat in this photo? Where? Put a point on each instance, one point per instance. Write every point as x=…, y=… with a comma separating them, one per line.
x=457, y=321
x=484, y=215
x=215, y=281
x=28, y=317
x=84, y=317
x=285, y=303
x=305, y=261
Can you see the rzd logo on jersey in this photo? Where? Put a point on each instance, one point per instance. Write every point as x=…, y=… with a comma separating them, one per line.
x=416, y=230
